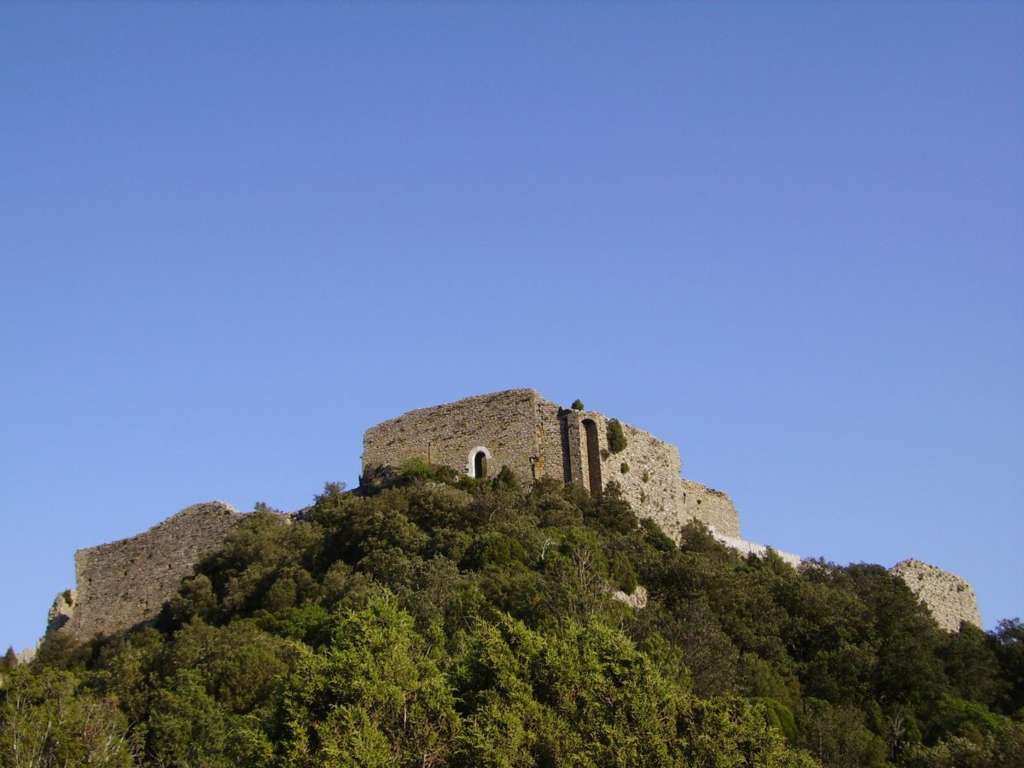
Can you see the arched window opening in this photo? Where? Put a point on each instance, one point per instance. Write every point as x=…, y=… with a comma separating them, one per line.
x=480, y=464
x=477, y=461
x=593, y=456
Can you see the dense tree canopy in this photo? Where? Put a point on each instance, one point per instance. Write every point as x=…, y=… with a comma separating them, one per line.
x=435, y=620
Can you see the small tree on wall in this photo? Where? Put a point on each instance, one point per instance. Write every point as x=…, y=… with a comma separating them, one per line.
x=616, y=436
x=577, y=405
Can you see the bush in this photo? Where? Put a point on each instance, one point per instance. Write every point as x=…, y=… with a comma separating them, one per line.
x=577, y=405
x=624, y=468
x=416, y=467
x=616, y=436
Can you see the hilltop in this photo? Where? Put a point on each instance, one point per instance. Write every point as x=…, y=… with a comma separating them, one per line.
x=124, y=583
x=435, y=619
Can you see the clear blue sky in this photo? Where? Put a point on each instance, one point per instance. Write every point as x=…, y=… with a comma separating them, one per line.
x=789, y=239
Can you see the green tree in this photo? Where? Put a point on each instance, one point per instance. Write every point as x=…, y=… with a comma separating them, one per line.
x=46, y=720
x=1008, y=643
x=370, y=697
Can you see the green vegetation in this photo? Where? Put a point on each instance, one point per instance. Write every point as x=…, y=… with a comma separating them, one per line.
x=616, y=436
x=438, y=620
x=624, y=468
x=577, y=405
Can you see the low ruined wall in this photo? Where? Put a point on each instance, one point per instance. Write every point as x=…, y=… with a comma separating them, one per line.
x=950, y=599
x=711, y=506
x=745, y=547
x=127, y=582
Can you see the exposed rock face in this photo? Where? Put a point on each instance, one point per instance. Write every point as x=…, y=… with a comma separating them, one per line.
x=638, y=599
x=950, y=598
x=62, y=610
x=127, y=582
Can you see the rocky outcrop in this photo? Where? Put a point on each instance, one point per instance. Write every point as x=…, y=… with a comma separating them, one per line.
x=637, y=599
x=61, y=611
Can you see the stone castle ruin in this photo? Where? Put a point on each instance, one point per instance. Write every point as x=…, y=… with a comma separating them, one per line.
x=536, y=439
x=125, y=583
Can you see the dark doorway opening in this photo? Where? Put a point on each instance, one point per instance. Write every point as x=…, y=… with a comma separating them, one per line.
x=593, y=456
x=480, y=464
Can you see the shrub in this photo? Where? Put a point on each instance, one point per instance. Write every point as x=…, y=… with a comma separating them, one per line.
x=415, y=467
x=616, y=437
x=577, y=405
x=624, y=468
x=506, y=478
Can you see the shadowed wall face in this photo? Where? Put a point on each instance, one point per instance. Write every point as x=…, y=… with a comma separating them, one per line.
x=593, y=453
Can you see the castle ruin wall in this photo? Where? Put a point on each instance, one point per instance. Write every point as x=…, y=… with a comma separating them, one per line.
x=537, y=439
x=504, y=423
x=648, y=472
x=127, y=582
x=950, y=598
x=552, y=436
x=710, y=506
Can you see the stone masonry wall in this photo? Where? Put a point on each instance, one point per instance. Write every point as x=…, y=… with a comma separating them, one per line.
x=710, y=506
x=950, y=599
x=536, y=438
x=551, y=436
x=652, y=481
x=503, y=422
x=126, y=582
